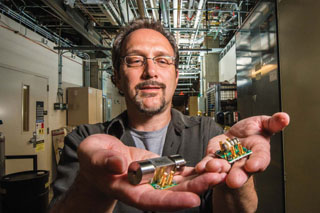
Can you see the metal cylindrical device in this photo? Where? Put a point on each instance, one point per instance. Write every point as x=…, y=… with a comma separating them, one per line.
x=140, y=172
x=179, y=161
x=146, y=171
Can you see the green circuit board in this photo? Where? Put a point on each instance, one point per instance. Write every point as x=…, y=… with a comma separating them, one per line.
x=157, y=186
x=227, y=154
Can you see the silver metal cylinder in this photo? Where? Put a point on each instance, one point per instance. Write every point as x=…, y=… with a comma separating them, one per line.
x=146, y=171
x=140, y=172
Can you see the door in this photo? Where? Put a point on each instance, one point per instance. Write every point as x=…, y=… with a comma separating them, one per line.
x=23, y=105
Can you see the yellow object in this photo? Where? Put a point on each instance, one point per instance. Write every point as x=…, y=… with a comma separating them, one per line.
x=163, y=179
x=233, y=152
x=40, y=146
x=170, y=178
x=221, y=146
x=240, y=149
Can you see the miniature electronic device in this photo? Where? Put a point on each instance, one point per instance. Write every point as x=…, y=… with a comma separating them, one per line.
x=158, y=172
x=232, y=150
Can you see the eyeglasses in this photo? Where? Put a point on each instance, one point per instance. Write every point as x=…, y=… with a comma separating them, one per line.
x=139, y=61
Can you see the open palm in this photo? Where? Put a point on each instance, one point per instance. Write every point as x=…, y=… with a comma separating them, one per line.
x=104, y=162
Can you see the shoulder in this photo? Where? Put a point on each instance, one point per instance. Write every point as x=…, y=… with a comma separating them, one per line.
x=85, y=130
x=193, y=121
x=200, y=126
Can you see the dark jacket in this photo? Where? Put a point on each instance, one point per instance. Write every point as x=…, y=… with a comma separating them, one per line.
x=187, y=136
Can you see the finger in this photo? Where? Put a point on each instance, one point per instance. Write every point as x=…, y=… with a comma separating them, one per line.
x=276, y=123
x=116, y=165
x=260, y=157
x=200, y=183
x=211, y=164
x=201, y=166
x=218, y=165
x=146, y=198
x=109, y=161
x=167, y=200
x=137, y=154
x=187, y=171
x=237, y=176
x=213, y=144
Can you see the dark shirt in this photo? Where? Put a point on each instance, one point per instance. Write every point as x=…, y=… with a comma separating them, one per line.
x=187, y=136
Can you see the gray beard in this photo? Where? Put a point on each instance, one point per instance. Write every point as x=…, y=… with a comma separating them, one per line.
x=149, y=111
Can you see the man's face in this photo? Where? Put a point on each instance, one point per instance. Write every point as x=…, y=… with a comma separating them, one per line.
x=150, y=87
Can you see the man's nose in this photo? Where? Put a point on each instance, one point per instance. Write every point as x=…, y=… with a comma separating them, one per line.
x=150, y=69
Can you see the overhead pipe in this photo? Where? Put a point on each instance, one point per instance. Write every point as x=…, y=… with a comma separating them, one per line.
x=185, y=84
x=222, y=2
x=154, y=13
x=186, y=92
x=193, y=71
x=185, y=88
x=209, y=9
x=201, y=81
x=60, y=90
x=168, y=12
x=134, y=9
x=199, y=12
x=30, y=22
x=164, y=11
x=179, y=13
x=175, y=14
x=197, y=24
x=224, y=25
x=191, y=5
x=188, y=77
x=172, y=29
x=145, y=9
x=125, y=11
x=87, y=70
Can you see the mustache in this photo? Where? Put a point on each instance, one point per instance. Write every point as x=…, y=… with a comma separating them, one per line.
x=148, y=83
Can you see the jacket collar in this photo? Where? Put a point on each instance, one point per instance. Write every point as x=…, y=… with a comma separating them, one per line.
x=118, y=126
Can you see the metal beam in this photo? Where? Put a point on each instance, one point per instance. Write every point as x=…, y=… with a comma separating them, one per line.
x=213, y=50
x=74, y=19
x=188, y=77
x=181, y=29
x=185, y=84
x=154, y=14
x=100, y=48
x=186, y=92
x=142, y=9
x=84, y=48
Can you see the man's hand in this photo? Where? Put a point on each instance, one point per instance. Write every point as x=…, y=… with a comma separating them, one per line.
x=104, y=162
x=254, y=133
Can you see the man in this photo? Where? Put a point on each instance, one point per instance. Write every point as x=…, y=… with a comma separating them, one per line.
x=93, y=169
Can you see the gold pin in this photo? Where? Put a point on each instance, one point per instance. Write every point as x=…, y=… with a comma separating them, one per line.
x=233, y=152
x=221, y=146
x=241, y=152
x=163, y=180
x=170, y=178
x=159, y=174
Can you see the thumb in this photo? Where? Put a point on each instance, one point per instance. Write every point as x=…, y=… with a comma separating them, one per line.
x=116, y=164
x=107, y=161
x=276, y=122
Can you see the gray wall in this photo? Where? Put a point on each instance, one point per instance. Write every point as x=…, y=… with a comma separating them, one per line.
x=299, y=50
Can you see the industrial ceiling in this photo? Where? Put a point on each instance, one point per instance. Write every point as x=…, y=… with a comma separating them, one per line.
x=89, y=26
